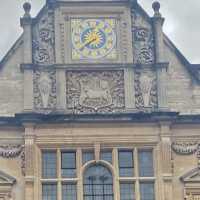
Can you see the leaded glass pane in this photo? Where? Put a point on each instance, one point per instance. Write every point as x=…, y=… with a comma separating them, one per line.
x=146, y=163
x=98, y=183
x=69, y=192
x=127, y=191
x=49, y=164
x=107, y=156
x=87, y=156
x=147, y=191
x=49, y=192
x=126, y=163
x=68, y=164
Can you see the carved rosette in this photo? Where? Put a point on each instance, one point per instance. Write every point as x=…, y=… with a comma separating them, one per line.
x=44, y=40
x=145, y=89
x=95, y=91
x=185, y=148
x=143, y=40
x=14, y=151
x=44, y=90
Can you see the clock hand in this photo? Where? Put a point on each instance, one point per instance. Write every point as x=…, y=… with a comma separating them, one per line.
x=87, y=42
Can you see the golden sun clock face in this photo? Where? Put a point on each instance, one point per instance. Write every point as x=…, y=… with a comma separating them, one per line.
x=93, y=39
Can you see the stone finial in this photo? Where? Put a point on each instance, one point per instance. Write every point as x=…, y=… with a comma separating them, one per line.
x=27, y=9
x=156, y=8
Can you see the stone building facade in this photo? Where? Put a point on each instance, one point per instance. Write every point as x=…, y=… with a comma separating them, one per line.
x=98, y=104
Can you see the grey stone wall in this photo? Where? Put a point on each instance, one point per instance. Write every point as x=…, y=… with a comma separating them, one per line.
x=11, y=85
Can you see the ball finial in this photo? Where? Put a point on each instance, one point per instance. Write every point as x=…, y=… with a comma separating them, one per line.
x=156, y=6
x=27, y=8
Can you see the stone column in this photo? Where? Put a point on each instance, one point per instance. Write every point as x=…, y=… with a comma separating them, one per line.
x=29, y=160
x=26, y=24
x=166, y=159
x=160, y=57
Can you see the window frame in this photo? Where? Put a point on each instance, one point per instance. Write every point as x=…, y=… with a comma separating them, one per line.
x=114, y=166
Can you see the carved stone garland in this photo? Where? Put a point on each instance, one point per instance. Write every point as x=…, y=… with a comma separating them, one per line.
x=143, y=41
x=95, y=91
x=44, y=40
x=13, y=151
x=44, y=90
x=145, y=89
x=187, y=148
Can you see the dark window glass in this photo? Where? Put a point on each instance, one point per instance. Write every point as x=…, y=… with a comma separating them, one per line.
x=98, y=183
x=107, y=156
x=68, y=164
x=127, y=191
x=147, y=191
x=49, y=164
x=69, y=192
x=146, y=163
x=49, y=192
x=126, y=163
x=87, y=156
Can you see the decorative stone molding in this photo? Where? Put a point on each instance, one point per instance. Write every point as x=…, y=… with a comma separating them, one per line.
x=44, y=40
x=13, y=151
x=95, y=91
x=145, y=89
x=185, y=148
x=191, y=182
x=44, y=84
x=6, y=185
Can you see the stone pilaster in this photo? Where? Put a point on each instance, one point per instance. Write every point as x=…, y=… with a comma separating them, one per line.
x=160, y=57
x=26, y=24
x=61, y=89
x=166, y=159
x=29, y=138
x=129, y=88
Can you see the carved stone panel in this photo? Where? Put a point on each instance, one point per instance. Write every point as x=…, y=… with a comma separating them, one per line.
x=145, y=89
x=95, y=91
x=44, y=40
x=44, y=90
x=143, y=40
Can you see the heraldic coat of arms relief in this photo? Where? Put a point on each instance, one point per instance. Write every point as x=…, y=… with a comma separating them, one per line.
x=95, y=91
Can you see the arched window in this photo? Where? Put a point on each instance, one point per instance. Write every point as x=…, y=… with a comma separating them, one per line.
x=98, y=183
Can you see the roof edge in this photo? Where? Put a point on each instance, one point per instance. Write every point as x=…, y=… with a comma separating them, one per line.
x=12, y=50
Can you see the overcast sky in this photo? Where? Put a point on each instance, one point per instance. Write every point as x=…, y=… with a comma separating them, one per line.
x=182, y=23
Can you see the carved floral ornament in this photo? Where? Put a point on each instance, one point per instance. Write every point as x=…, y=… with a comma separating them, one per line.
x=44, y=90
x=13, y=151
x=145, y=89
x=44, y=40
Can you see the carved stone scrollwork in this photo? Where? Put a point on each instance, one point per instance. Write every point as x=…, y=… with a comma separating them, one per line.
x=95, y=91
x=145, y=89
x=44, y=90
x=13, y=151
x=44, y=40
x=144, y=45
x=185, y=148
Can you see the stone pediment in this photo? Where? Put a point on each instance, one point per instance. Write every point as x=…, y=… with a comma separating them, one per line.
x=6, y=179
x=192, y=176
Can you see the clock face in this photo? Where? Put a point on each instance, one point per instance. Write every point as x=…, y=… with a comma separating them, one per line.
x=93, y=39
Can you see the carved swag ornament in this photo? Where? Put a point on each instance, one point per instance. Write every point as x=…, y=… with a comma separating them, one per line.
x=95, y=91
x=13, y=151
x=145, y=89
x=44, y=40
x=44, y=90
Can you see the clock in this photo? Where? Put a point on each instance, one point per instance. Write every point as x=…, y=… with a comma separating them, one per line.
x=93, y=39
